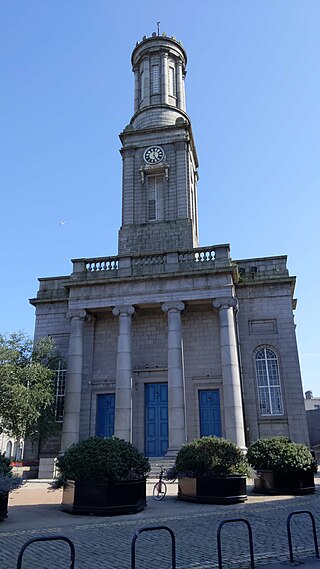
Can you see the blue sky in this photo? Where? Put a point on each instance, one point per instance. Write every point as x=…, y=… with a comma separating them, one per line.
x=253, y=97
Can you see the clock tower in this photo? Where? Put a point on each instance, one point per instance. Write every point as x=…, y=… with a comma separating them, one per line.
x=159, y=193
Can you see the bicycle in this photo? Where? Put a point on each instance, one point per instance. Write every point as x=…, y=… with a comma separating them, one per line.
x=160, y=487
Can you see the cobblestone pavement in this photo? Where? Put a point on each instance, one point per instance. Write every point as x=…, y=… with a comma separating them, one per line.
x=104, y=543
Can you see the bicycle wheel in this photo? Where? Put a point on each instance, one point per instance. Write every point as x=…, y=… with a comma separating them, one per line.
x=159, y=490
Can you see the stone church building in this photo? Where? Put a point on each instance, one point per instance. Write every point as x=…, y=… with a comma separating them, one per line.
x=169, y=340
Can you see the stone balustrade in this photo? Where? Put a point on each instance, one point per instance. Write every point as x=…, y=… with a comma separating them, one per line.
x=172, y=261
x=199, y=255
x=101, y=264
x=147, y=260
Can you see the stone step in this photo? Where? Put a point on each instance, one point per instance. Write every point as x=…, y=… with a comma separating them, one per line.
x=156, y=464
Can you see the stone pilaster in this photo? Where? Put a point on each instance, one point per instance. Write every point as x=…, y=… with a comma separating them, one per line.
x=176, y=403
x=72, y=402
x=165, y=78
x=180, y=86
x=233, y=409
x=123, y=403
x=136, y=90
x=146, y=86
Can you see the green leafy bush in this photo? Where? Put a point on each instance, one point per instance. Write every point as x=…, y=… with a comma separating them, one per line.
x=101, y=460
x=8, y=481
x=210, y=456
x=281, y=455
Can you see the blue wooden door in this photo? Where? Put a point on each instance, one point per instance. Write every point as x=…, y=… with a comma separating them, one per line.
x=210, y=417
x=105, y=415
x=156, y=419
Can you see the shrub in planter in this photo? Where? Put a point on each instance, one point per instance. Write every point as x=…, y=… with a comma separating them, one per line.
x=102, y=476
x=211, y=469
x=8, y=482
x=282, y=466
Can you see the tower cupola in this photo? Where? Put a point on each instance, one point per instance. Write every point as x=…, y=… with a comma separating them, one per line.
x=159, y=66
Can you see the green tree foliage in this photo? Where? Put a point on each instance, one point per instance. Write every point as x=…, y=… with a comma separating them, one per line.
x=101, y=460
x=210, y=456
x=281, y=455
x=27, y=385
x=8, y=481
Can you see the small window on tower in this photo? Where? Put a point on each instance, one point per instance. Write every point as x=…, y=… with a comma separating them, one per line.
x=155, y=203
x=155, y=79
x=172, y=81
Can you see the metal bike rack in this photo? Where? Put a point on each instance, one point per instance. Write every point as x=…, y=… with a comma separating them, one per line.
x=231, y=521
x=315, y=539
x=153, y=528
x=49, y=538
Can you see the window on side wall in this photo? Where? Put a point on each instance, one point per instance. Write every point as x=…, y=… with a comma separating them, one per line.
x=268, y=382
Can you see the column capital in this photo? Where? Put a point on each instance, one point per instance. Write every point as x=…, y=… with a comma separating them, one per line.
x=173, y=305
x=225, y=302
x=79, y=314
x=126, y=310
x=91, y=318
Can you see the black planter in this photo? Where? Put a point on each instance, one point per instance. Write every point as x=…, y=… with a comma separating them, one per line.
x=271, y=482
x=104, y=499
x=4, y=496
x=213, y=490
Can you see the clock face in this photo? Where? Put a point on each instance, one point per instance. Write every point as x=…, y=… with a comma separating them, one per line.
x=153, y=155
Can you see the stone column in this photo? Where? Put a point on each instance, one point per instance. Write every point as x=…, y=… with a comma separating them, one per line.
x=233, y=410
x=176, y=406
x=123, y=404
x=72, y=400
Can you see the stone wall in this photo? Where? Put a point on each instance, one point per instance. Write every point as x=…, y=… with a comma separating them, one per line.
x=265, y=319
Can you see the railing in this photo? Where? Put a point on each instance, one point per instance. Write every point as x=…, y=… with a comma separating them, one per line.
x=46, y=539
x=314, y=531
x=147, y=260
x=231, y=521
x=101, y=264
x=157, y=529
x=199, y=257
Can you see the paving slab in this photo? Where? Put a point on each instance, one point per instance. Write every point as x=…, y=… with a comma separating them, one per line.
x=104, y=542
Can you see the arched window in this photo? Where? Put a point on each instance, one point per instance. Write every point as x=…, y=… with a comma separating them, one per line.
x=268, y=380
